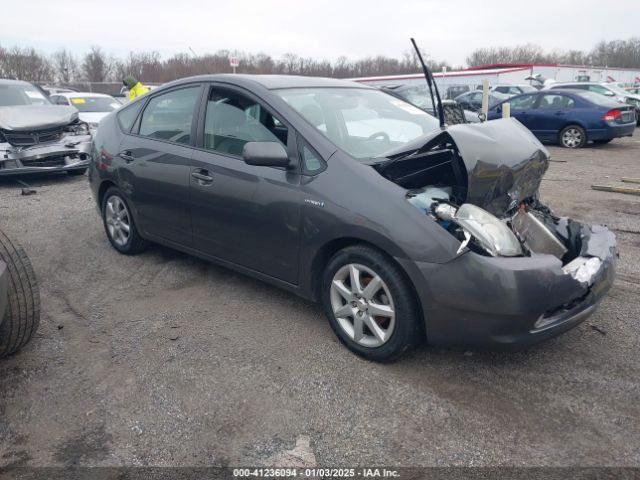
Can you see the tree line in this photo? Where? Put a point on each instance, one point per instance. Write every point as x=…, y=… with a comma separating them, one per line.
x=96, y=65
x=614, y=53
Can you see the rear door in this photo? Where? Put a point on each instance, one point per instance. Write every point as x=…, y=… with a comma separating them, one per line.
x=156, y=158
x=248, y=215
x=550, y=114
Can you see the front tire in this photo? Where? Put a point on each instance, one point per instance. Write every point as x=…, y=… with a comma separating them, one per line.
x=119, y=224
x=22, y=315
x=573, y=136
x=370, y=304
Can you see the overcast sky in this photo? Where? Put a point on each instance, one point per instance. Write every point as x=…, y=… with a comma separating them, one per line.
x=447, y=30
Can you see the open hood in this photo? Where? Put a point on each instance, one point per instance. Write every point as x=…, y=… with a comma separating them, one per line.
x=36, y=117
x=494, y=165
x=505, y=163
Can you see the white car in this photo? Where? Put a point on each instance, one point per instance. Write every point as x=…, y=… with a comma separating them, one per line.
x=92, y=107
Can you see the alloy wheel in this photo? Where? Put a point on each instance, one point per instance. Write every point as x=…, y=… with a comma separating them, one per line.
x=572, y=138
x=118, y=220
x=362, y=305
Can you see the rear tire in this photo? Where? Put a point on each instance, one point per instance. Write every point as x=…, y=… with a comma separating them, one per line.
x=573, y=136
x=119, y=224
x=79, y=172
x=380, y=288
x=22, y=315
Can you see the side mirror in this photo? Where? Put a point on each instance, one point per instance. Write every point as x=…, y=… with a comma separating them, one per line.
x=609, y=93
x=265, y=154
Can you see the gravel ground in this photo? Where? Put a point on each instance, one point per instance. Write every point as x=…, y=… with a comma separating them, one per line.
x=164, y=359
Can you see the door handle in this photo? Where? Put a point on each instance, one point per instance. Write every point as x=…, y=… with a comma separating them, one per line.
x=560, y=112
x=202, y=176
x=126, y=156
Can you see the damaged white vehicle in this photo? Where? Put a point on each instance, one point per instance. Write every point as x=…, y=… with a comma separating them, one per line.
x=37, y=136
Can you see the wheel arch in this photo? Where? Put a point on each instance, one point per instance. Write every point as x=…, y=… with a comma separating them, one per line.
x=331, y=247
x=104, y=186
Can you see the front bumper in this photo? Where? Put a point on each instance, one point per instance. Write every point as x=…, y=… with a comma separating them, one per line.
x=71, y=153
x=513, y=302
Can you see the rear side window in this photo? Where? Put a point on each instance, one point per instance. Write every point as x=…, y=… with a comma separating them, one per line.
x=556, y=102
x=169, y=116
x=128, y=115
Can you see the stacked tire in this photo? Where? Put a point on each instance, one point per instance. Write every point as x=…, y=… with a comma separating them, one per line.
x=21, y=315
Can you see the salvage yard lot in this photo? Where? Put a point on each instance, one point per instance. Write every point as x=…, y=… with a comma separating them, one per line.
x=164, y=359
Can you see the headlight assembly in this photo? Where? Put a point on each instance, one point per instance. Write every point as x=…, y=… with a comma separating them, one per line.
x=492, y=234
x=80, y=128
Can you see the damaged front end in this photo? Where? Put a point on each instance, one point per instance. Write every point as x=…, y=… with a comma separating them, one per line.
x=42, y=139
x=530, y=274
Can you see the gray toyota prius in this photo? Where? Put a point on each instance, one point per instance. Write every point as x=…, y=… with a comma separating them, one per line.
x=343, y=194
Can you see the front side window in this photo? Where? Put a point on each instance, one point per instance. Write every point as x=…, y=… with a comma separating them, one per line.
x=363, y=122
x=233, y=119
x=520, y=103
x=168, y=116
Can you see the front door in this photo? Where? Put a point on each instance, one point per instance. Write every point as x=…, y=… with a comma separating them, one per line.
x=244, y=214
x=521, y=107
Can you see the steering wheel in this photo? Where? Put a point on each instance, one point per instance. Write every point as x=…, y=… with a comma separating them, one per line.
x=383, y=135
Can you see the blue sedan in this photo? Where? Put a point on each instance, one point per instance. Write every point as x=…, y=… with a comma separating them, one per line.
x=570, y=117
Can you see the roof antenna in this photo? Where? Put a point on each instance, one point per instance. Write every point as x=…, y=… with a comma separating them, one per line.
x=432, y=85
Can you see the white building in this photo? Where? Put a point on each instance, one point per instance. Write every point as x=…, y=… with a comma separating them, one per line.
x=515, y=74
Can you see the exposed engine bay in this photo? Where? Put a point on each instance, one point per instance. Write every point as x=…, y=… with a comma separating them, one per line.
x=42, y=138
x=488, y=198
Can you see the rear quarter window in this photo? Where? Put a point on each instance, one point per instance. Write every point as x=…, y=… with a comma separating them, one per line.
x=127, y=115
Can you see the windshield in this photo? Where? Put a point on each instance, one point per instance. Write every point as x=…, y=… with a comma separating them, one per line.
x=94, y=104
x=364, y=123
x=617, y=89
x=21, y=94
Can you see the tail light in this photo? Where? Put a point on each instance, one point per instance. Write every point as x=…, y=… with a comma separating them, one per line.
x=611, y=115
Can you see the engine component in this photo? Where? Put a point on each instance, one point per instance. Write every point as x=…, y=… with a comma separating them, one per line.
x=535, y=235
x=426, y=197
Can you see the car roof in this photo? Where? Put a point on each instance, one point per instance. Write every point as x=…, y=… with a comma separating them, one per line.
x=274, y=82
x=82, y=94
x=7, y=81
x=560, y=84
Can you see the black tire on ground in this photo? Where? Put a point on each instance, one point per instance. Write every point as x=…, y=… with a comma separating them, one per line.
x=135, y=243
x=22, y=315
x=602, y=142
x=409, y=327
x=79, y=172
x=572, y=136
